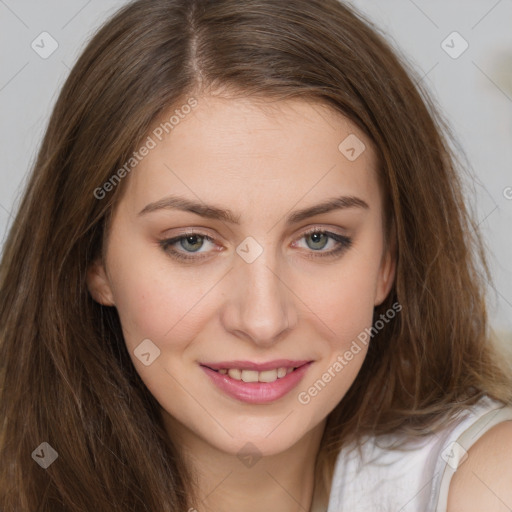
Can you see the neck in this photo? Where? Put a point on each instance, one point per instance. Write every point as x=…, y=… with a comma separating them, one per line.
x=284, y=482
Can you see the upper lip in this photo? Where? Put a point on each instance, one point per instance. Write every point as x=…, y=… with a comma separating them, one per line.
x=260, y=367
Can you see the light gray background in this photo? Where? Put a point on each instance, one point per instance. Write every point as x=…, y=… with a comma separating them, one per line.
x=474, y=92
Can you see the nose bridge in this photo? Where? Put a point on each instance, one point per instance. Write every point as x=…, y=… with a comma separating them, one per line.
x=261, y=306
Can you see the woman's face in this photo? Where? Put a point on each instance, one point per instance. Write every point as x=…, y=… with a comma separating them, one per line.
x=215, y=321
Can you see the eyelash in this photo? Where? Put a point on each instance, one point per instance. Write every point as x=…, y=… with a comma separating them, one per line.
x=344, y=243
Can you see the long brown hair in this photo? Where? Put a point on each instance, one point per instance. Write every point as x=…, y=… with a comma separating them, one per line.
x=66, y=377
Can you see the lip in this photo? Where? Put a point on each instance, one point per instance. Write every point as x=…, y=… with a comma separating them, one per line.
x=260, y=367
x=257, y=392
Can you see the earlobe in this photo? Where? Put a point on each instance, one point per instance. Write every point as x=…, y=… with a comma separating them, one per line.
x=99, y=284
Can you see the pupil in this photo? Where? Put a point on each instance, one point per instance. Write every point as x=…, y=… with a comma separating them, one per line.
x=193, y=240
x=317, y=238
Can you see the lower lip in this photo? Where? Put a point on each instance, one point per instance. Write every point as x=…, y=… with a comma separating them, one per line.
x=257, y=392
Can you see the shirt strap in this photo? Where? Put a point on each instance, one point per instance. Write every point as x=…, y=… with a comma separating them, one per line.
x=455, y=454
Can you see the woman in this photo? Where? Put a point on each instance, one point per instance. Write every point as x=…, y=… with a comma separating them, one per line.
x=243, y=275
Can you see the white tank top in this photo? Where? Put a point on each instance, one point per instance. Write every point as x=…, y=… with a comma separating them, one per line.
x=417, y=480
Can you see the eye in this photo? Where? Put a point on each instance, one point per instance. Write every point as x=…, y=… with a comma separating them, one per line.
x=317, y=240
x=187, y=247
x=187, y=243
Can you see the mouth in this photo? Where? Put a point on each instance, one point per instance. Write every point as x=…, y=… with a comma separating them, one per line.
x=256, y=383
x=249, y=376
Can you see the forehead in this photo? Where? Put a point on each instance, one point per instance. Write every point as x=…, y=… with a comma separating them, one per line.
x=254, y=152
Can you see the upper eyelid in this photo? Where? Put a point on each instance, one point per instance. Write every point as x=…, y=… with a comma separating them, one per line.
x=206, y=234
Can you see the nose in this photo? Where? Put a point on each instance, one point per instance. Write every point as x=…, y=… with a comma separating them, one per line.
x=261, y=305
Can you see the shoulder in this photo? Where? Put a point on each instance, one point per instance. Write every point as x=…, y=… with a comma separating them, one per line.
x=483, y=481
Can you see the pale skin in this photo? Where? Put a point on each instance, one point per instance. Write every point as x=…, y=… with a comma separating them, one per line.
x=484, y=480
x=261, y=164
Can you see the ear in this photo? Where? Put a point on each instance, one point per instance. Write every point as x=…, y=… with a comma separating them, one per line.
x=98, y=283
x=387, y=272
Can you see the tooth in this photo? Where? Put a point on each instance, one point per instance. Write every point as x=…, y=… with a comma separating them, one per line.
x=249, y=375
x=268, y=376
x=234, y=373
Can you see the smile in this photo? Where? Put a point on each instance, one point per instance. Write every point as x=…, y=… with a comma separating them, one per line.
x=255, y=376
x=256, y=384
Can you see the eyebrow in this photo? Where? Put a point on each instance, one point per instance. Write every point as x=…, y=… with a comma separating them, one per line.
x=216, y=213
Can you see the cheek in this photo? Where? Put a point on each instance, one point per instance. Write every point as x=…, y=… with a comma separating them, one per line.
x=346, y=311
x=345, y=306
x=345, y=301
x=153, y=299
